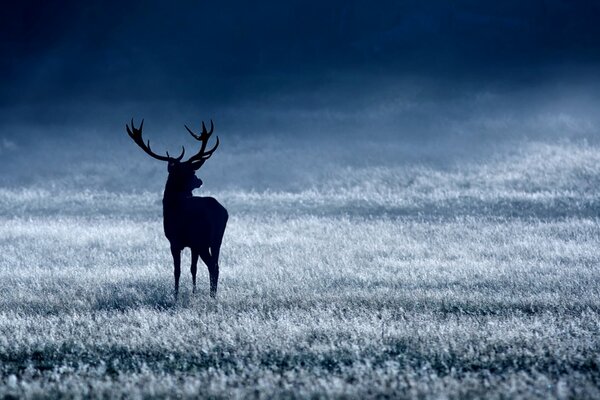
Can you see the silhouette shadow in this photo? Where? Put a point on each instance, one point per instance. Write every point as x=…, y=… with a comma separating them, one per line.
x=132, y=295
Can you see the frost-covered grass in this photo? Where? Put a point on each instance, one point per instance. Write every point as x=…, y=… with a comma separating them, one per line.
x=398, y=281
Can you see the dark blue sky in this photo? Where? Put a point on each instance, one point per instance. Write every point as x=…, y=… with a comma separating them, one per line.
x=231, y=51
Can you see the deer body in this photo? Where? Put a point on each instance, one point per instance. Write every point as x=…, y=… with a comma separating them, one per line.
x=198, y=223
x=195, y=222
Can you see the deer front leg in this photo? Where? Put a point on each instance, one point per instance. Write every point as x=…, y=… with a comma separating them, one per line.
x=193, y=269
x=176, y=253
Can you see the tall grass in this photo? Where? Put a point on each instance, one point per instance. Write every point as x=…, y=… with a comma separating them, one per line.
x=393, y=281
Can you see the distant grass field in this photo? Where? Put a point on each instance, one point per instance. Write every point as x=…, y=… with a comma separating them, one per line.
x=480, y=281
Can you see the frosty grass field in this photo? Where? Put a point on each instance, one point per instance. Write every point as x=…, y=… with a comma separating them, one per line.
x=479, y=280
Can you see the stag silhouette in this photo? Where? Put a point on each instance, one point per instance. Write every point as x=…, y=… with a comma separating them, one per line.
x=194, y=222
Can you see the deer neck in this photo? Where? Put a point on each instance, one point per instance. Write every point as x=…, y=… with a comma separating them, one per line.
x=173, y=197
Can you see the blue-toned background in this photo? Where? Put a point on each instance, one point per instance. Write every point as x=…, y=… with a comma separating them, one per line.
x=317, y=86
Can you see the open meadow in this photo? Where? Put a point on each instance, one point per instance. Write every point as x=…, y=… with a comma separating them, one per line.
x=405, y=200
x=479, y=279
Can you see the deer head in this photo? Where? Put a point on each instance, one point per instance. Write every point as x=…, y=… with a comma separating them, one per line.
x=182, y=176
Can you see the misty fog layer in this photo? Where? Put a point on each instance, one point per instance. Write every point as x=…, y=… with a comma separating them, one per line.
x=303, y=140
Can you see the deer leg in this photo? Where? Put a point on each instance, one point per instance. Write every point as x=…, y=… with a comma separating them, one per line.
x=213, y=270
x=214, y=279
x=176, y=253
x=193, y=269
x=215, y=258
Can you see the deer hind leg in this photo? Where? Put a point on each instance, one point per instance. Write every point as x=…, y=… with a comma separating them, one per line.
x=213, y=270
x=214, y=251
x=194, y=268
x=176, y=253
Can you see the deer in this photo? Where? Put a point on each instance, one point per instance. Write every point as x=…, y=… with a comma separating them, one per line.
x=189, y=221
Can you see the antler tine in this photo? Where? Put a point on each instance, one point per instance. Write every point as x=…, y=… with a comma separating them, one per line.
x=212, y=128
x=192, y=133
x=204, y=135
x=176, y=158
x=208, y=153
x=136, y=135
x=199, y=158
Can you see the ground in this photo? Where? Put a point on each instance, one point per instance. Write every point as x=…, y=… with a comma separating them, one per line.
x=479, y=280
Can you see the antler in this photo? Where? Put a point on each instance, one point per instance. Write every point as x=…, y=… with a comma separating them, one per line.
x=136, y=135
x=199, y=158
